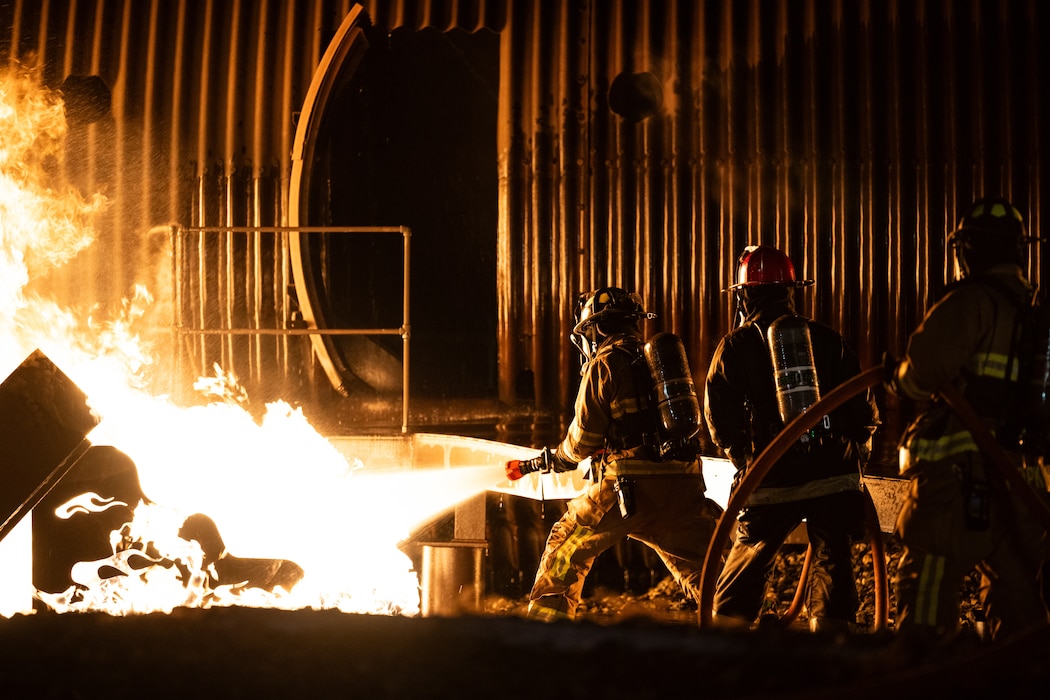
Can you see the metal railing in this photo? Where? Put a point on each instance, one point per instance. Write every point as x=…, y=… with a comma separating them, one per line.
x=226, y=260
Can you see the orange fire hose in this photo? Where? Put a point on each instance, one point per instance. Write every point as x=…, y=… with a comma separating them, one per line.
x=795, y=608
x=761, y=466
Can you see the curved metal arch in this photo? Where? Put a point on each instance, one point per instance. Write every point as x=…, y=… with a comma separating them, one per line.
x=341, y=59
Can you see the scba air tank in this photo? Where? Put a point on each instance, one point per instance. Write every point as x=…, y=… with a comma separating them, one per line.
x=676, y=398
x=793, y=366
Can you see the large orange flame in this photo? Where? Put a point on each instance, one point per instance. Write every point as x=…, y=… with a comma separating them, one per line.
x=274, y=488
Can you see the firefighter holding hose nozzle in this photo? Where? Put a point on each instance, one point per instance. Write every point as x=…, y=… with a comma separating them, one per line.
x=981, y=340
x=764, y=374
x=636, y=417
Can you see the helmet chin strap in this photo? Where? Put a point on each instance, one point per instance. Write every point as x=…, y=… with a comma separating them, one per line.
x=587, y=343
x=962, y=270
x=741, y=311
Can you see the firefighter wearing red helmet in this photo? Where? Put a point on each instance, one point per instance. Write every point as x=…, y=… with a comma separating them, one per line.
x=956, y=516
x=750, y=396
x=634, y=491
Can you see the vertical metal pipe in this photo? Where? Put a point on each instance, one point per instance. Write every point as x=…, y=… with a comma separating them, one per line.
x=978, y=88
x=536, y=108
x=893, y=337
x=176, y=108
x=810, y=167
x=893, y=200
x=203, y=298
x=282, y=263
x=617, y=200
x=732, y=241
x=780, y=153
x=16, y=31
x=231, y=133
x=708, y=268
x=254, y=292
x=595, y=232
x=406, y=328
x=509, y=235
x=176, y=240
x=673, y=232
x=260, y=99
x=1035, y=135
x=150, y=140
x=123, y=185
x=648, y=161
x=751, y=146
x=850, y=173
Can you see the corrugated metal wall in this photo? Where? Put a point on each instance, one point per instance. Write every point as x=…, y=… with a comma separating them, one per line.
x=850, y=133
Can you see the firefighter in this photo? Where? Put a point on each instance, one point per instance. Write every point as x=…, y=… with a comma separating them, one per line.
x=957, y=514
x=820, y=478
x=633, y=492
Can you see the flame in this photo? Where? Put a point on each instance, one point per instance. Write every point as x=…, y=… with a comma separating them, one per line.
x=89, y=502
x=275, y=489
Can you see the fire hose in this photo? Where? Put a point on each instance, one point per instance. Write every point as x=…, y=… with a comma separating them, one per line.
x=761, y=466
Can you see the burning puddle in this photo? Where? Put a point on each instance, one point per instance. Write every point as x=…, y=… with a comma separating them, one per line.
x=226, y=508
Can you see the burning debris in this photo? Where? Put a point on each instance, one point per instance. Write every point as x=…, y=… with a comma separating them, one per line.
x=237, y=573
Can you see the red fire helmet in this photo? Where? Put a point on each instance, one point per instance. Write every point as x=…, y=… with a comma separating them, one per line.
x=763, y=264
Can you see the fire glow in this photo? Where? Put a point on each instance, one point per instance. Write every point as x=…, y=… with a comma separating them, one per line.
x=274, y=488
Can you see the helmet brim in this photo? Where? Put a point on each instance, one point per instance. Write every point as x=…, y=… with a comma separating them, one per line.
x=964, y=230
x=597, y=318
x=796, y=283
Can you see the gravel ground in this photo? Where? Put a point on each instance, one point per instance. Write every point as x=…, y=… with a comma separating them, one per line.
x=665, y=602
x=622, y=646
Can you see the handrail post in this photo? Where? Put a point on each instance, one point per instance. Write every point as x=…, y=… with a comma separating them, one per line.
x=406, y=330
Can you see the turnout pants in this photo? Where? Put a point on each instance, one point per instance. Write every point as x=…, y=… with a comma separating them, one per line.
x=671, y=515
x=942, y=544
x=833, y=522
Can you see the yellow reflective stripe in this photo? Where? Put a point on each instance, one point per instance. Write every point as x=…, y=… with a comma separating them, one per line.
x=942, y=447
x=561, y=558
x=812, y=489
x=624, y=406
x=644, y=467
x=584, y=441
x=929, y=589
x=993, y=364
x=545, y=614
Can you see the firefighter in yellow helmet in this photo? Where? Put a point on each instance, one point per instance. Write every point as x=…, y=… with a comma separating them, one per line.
x=641, y=488
x=956, y=515
x=750, y=396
